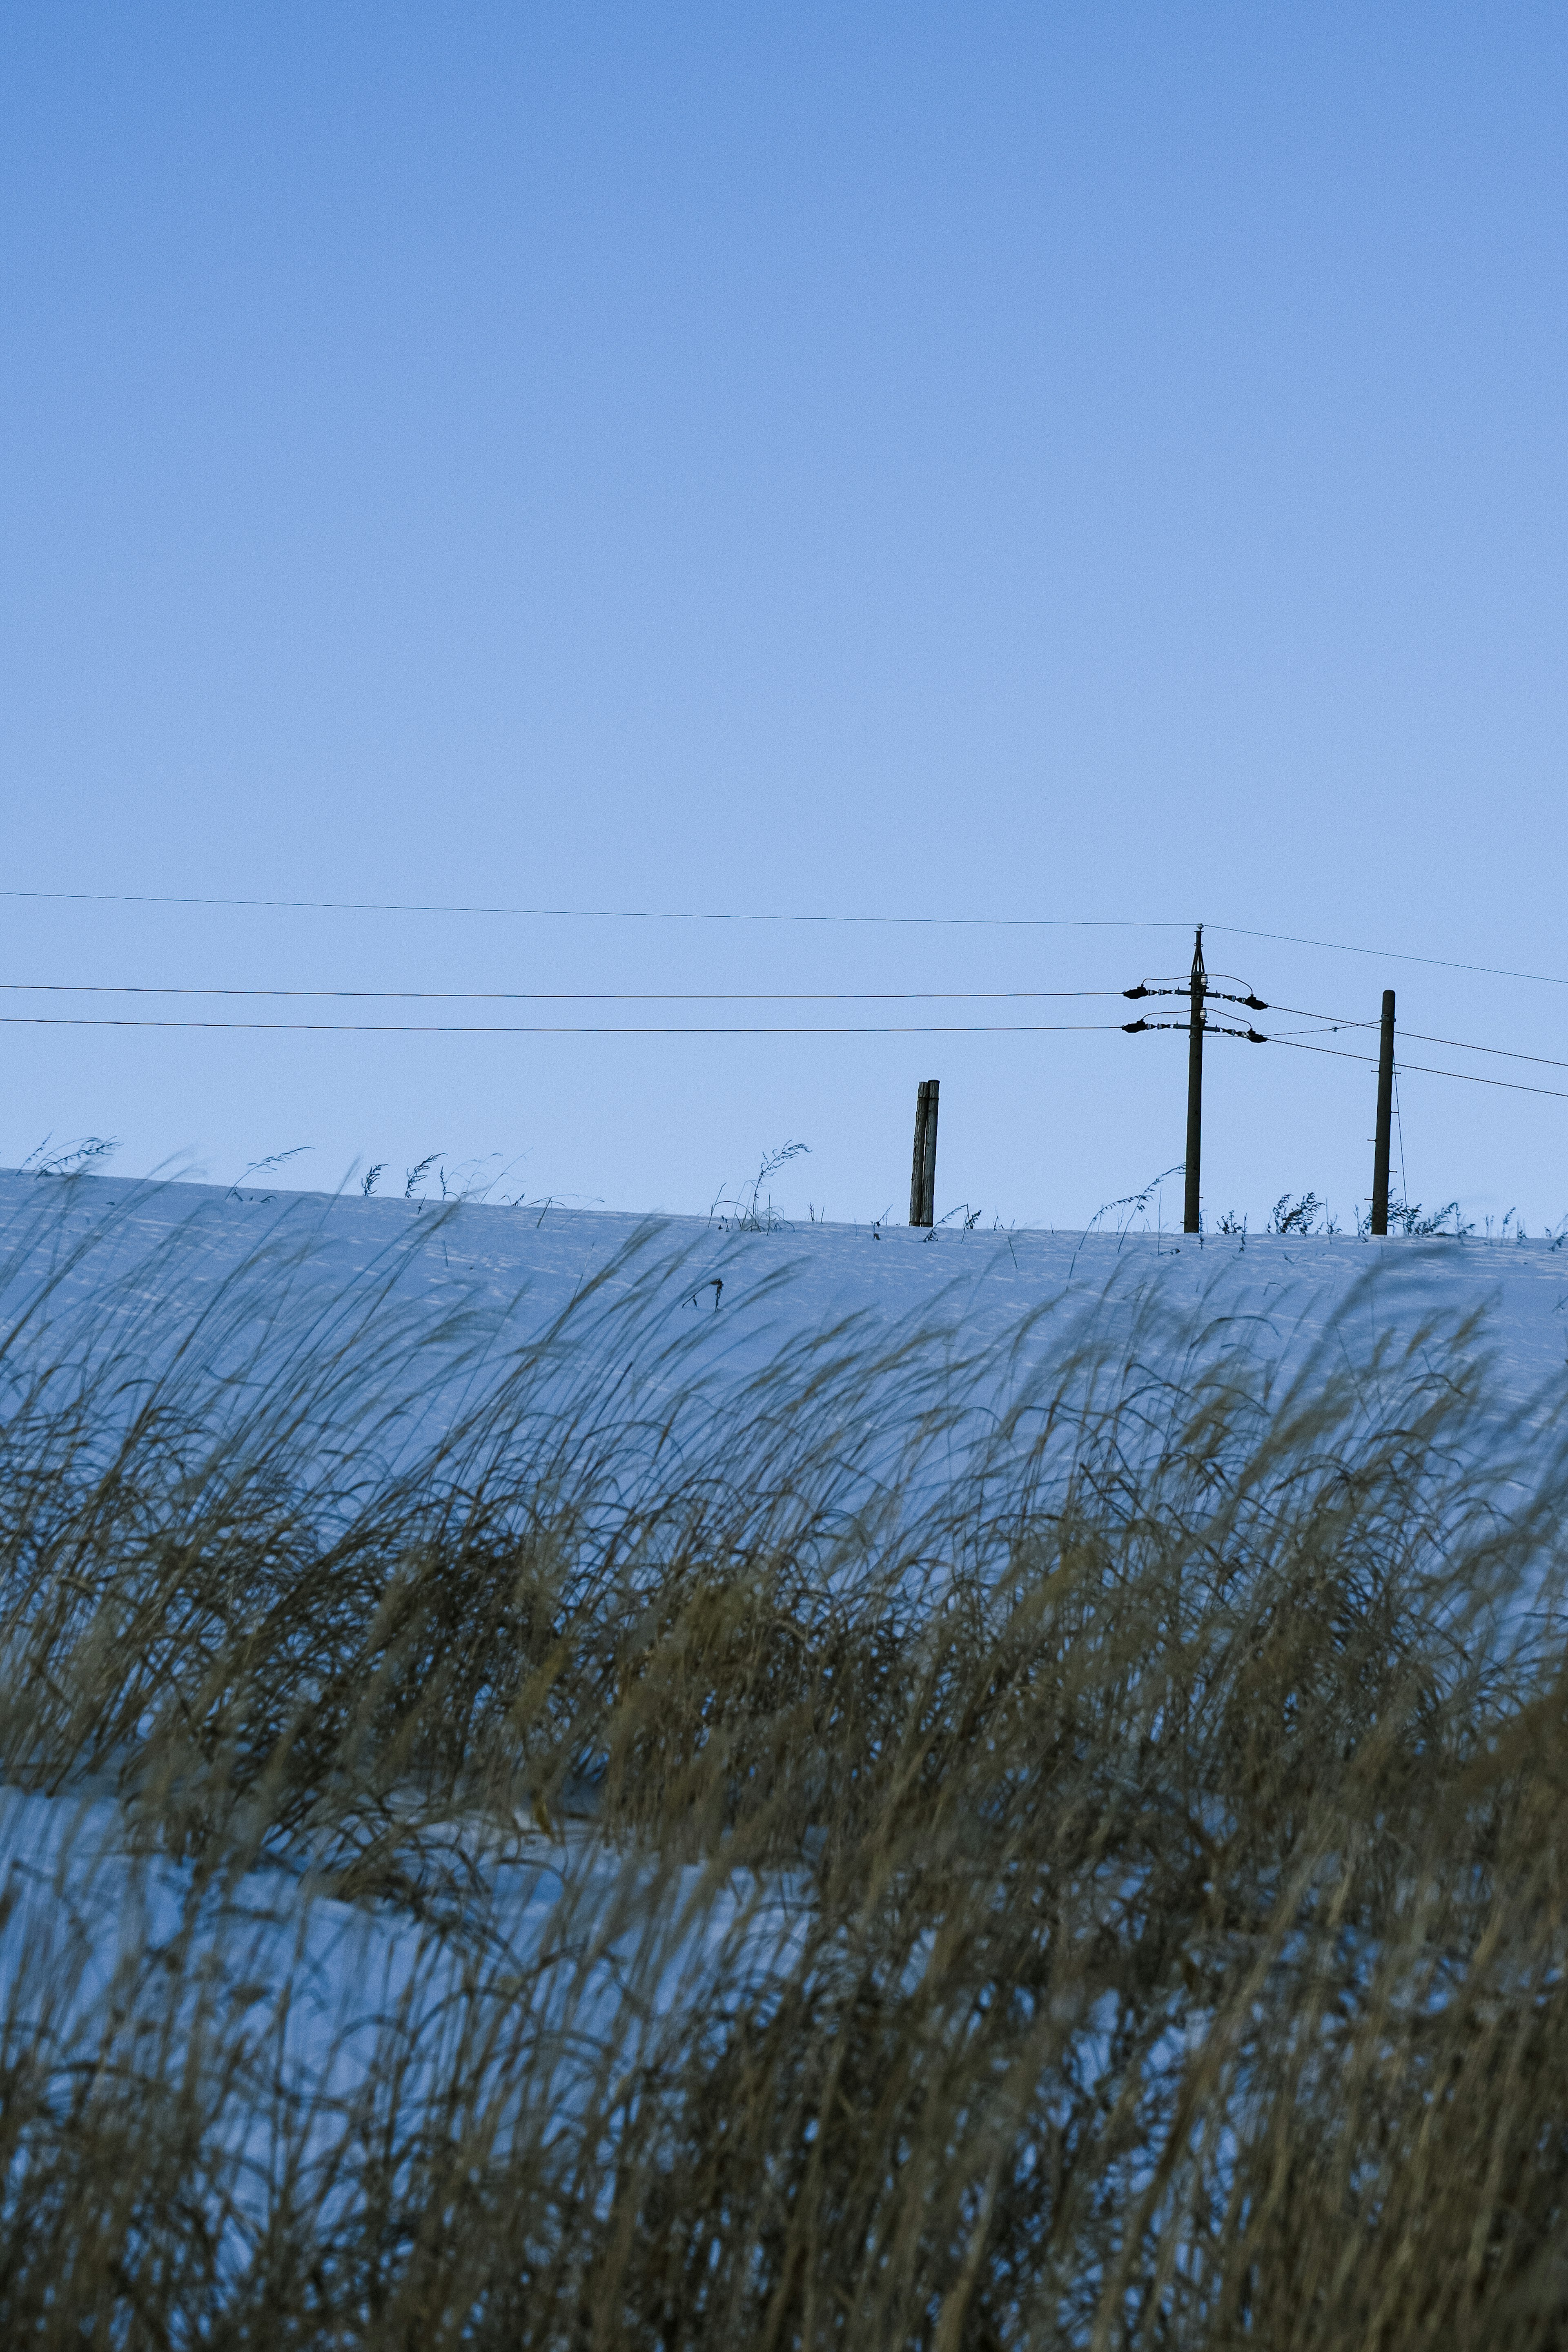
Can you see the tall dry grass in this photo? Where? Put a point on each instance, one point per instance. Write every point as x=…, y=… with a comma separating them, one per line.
x=1056, y=1844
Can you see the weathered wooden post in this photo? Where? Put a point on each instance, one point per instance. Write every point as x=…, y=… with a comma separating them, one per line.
x=918, y=1172
x=1384, y=1118
x=1191, y=1219
x=922, y=1174
x=928, y=1195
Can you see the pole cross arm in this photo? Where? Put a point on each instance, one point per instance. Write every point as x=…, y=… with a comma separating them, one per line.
x=1254, y=1002
x=1211, y=1029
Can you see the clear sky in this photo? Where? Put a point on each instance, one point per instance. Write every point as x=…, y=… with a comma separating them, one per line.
x=1103, y=465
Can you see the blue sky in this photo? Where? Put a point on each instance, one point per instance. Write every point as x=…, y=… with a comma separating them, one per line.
x=1094, y=464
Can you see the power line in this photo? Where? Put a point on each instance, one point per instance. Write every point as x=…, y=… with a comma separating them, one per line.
x=726, y=1029
x=1393, y=955
x=567, y=995
x=1459, y=1045
x=596, y=914
x=707, y=1029
x=700, y=914
x=1310, y=1013
x=708, y=996
x=1465, y=1078
x=534, y=1029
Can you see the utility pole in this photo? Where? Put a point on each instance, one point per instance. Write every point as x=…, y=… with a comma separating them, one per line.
x=1385, y=1117
x=1197, y=988
x=1190, y=1220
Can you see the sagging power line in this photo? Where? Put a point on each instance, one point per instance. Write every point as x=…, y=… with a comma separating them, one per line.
x=571, y=1029
x=564, y=995
x=1428, y=1069
x=1424, y=1038
x=701, y=915
x=1333, y=1022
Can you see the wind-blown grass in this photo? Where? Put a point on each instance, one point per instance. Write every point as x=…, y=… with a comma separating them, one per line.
x=1055, y=1845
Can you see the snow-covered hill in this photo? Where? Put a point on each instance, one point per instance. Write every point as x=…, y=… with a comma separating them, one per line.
x=606, y=1943
x=520, y=1267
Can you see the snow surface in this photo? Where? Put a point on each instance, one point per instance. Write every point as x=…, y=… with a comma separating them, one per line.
x=518, y=1268
x=113, y=1251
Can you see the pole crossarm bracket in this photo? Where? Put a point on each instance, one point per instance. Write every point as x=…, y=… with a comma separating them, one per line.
x=1253, y=1003
x=1212, y=1029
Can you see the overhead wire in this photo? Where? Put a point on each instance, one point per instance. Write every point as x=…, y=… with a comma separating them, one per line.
x=1392, y=955
x=601, y=914
x=703, y=1029
x=837, y=996
x=1424, y=1038
x=1332, y=1021
x=700, y=914
x=1465, y=1078
x=541, y=1029
x=707, y=1029
x=566, y=995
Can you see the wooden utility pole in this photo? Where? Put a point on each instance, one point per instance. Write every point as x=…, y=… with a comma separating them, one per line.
x=1191, y=1219
x=1197, y=991
x=923, y=1174
x=1384, y=1118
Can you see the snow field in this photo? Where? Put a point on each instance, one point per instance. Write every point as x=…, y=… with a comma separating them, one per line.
x=527, y=1964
